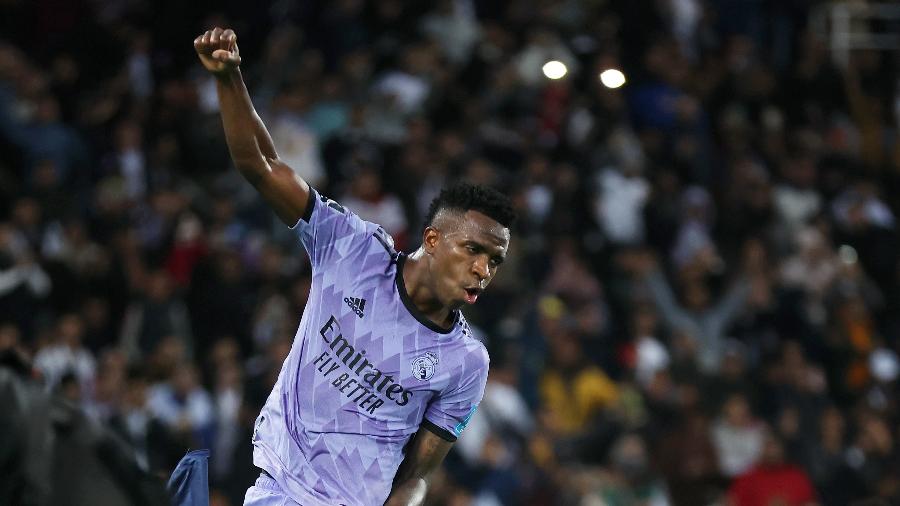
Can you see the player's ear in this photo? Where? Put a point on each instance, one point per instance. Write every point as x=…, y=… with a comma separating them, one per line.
x=430, y=239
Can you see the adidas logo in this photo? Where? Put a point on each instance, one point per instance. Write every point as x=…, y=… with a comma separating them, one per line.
x=357, y=305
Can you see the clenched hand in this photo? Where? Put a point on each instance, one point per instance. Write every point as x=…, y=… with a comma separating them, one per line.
x=218, y=50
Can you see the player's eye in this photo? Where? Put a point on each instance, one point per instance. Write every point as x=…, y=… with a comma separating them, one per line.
x=471, y=249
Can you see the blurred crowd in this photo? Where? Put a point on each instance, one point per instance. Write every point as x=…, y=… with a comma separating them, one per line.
x=701, y=302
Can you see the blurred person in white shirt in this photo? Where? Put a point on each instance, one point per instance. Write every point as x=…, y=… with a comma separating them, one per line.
x=67, y=355
x=183, y=405
x=738, y=436
x=371, y=202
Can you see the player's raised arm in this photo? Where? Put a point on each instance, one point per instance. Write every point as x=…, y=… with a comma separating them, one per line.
x=248, y=140
x=425, y=454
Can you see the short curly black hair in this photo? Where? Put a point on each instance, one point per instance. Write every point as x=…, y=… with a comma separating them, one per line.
x=466, y=196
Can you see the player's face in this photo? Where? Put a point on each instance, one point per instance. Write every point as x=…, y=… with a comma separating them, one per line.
x=467, y=249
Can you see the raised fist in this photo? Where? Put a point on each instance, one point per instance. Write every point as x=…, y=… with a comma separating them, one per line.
x=218, y=50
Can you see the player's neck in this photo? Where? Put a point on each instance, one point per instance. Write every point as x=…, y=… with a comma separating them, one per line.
x=422, y=295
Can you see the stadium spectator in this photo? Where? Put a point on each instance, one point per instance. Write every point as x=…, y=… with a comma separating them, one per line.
x=738, y=436
x=66, y=355
x=573, y=392
x=772, y=480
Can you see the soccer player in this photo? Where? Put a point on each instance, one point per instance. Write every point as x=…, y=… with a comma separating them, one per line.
x=384, y=373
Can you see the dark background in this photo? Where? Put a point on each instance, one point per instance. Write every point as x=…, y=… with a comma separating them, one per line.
x=701, y=300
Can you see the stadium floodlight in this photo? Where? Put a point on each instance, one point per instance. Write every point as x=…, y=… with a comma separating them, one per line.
x=554, y=69
x=612, y=78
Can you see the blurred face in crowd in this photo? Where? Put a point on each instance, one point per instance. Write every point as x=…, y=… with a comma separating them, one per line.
x=792, y=356
x=831, y=428
x=111, y=377
x=736, y=411
x=223, y=210
x=271, y=261
x=278, y=350
x=566, y=349
x=812, y=245
x=696, y=295
x=732, y=366
x=169, y=352
x=801, y=171
x=26, y=212
x=9, y=336
x=159, y=286
x=228, y=376
x=875, y=436
x=71, y=329
x=480, y=171
x=229, y=267
x=225, y=351
x=644, y=322
x=46, y=174
x=772, y=452
x=366, y=184
x=136, y=394
x=70, y=389
x=128, y=136
x=184, y=379
x=47, y=110
x=465, y=251
x=629, y=456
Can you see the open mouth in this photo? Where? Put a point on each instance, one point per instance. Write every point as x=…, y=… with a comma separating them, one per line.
x=472, y=295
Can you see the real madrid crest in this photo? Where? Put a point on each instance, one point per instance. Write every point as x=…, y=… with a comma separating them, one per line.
x=424, y=365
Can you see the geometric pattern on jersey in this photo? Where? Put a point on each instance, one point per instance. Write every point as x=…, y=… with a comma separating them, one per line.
x=361, y=378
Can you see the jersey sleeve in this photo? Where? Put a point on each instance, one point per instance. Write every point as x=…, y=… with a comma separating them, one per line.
x=329, y=231
x=449, y=413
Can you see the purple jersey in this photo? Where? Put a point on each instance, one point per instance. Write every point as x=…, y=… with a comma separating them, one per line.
x=365, y=372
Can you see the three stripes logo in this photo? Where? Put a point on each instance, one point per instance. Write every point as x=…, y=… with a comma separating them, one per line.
x=357, y=305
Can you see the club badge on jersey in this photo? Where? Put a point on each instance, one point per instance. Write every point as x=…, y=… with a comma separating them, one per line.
x=424, y=365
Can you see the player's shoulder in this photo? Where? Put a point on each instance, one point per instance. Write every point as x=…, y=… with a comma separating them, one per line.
x=363, y=236
x=474, y=346
x=322, y=208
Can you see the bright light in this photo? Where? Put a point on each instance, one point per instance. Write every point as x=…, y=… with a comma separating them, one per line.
x=554, y=69
x=847, y=254
x=612, y=78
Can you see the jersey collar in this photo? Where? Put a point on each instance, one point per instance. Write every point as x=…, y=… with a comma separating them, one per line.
x=413, y=310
